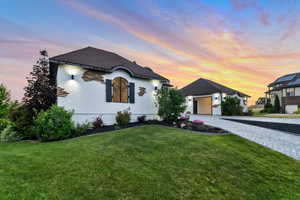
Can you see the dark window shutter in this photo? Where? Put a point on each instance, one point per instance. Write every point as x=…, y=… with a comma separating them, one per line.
x=131, y=93
x=195, y=105
x=108, y=90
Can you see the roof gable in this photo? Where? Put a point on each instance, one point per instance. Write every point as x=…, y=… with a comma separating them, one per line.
x=102, y=60
x=206, y=87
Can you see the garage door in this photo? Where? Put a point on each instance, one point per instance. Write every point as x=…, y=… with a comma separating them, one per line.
x=290, y=109
x=204, y=105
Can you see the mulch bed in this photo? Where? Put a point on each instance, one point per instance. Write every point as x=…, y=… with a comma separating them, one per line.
x=203, y=128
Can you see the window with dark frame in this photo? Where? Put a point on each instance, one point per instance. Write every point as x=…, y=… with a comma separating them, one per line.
x=290, y=92
x=120, y=90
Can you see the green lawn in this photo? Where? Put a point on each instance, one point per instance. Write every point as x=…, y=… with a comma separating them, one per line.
x=148, y=162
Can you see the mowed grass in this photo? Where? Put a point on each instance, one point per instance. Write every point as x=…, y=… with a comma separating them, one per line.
x=147, y=162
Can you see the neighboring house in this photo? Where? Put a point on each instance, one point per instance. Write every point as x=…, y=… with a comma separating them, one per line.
x=94, y=82
x=287, y=88
x=259, y=104
x=261, y=101
x=204, y=97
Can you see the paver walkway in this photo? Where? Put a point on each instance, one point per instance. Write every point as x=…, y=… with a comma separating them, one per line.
x=286, y=143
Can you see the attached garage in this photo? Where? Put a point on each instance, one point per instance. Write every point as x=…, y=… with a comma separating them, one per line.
x=204, y=97
x=290, y=109
x=203, y=105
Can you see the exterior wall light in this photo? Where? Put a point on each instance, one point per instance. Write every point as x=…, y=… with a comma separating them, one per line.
x=155, y=88
x=72, y=77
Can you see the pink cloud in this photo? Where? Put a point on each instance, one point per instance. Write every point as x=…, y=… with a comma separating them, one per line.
x=264, y=18
x=19, y=51
x=292, y=29
x=242, y=4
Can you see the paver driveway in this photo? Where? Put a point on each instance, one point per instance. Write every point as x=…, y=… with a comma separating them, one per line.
x=286, y=143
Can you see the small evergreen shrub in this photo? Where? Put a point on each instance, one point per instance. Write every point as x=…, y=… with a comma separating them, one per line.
x=277, y=107
x=82, y=128
x=9, y=135
x=142, y=118
x=268, y=108
x=54, y=124
x=98, y=123
x=123, y=118
x=231, y=106
x=22, y=117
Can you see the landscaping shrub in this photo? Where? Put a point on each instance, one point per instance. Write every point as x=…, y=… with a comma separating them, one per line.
x=54, y=124
x=196, y=124
x=4, y=107
x=81, y=129
x=142, y=118
x=123, y=118
x=298, y=111
x=116, y=127
x=171, y=103
x=21, y=116
x=249, y=113
x=231, y=106
x=277, y=107
x=199, y=122
x=268, y=108
x=4, y=123
x=98, y=123
x=183, y=118
x=4, y=101
x=9, y=135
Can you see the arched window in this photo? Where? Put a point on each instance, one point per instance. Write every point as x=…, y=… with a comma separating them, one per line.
x=120, y=90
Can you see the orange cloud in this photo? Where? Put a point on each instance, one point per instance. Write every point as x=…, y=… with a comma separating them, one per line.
x=218, y=55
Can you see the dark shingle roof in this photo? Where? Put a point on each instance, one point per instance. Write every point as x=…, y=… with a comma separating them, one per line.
x=289, y=80
x=206, y=87
x=102, y=60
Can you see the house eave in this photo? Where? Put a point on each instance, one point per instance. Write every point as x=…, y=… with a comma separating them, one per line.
x=111, y=70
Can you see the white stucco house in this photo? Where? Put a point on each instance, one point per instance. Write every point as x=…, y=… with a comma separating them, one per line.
x=93, y=82
x=205, y=96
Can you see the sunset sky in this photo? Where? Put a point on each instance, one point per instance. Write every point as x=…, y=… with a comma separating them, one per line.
x=242, y=44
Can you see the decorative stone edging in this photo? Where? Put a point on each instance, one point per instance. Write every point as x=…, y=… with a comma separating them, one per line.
x=90, y=75
x=61, y=92
x=142, y=91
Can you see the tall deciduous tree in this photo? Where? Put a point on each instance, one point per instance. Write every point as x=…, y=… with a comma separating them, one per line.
x=39, y=93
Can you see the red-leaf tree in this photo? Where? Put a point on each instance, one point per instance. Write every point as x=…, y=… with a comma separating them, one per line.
x=39, y=93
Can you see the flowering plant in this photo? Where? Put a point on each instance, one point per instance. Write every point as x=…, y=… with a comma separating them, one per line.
x=184, y=118
x=198, y=122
